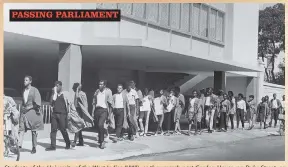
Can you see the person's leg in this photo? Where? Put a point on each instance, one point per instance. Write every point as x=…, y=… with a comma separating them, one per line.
x=242, y=118
x=134, y=121
x=147, y=118
x=231, y=116
x=102, y=118
x=141, y=117
x=54, y=128
x=168, y=123
x=62, y=122
x=215, y=118
x=81, y=141
x=222, y=120
x=225, y=121
x=158, y=124
x=207, y=119
x=195, y=123
x=34, y=141
x=172, y=122
x=212, y=119
x=276, y=116
x=120, y=120
x=238, y=117
x=21, y=137
x=161, y=122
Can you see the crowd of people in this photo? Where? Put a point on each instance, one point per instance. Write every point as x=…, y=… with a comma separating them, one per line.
x=128, y=111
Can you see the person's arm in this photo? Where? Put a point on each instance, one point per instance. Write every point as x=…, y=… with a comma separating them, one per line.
x=94, y=101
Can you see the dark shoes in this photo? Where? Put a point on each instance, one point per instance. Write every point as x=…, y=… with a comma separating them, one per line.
x=131, y=138
x=68, y=146
x=80, y=144
x=50, y=149
x=33, y=150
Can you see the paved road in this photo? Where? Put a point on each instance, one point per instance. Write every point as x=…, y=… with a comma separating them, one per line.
x=270, y=148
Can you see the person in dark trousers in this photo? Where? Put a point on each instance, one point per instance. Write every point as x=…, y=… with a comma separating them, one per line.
x=121, y=111
x=102, y=106
x=224, y=109
x=81, y=105
x=30, y=114
x=58, y=117
x=202, y=97
x=232, y=110
x=241, y=110
x=275, y=105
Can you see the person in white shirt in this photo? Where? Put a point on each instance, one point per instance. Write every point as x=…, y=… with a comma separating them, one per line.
x=170, y=108
x=210, y=106
x=241, y=110
x=160, y=104
x=195, y=112
x=275, y=105
x=232, y=110
x=144, y=114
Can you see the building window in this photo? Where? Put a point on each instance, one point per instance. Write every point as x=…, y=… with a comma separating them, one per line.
x=164, y=14
x=213, y=18
x=175, y=15
x=220, y=26
x=204, y=21
x=152, y=12
x=185, y=12
x=126, y=8
x=195, y=18
x=138, y=10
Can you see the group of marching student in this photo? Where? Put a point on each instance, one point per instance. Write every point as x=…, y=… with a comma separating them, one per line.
x=129, y=110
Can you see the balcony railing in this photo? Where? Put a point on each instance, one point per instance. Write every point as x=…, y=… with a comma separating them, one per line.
x=193, y=20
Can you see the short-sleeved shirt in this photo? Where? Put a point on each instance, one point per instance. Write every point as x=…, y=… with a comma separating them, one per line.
x=159, y=109
x=146, y=104
x=132, y=97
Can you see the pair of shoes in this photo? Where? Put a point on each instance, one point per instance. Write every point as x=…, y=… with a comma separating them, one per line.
x=33, y=150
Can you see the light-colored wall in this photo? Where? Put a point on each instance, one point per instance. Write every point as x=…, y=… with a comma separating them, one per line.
x=269, y=89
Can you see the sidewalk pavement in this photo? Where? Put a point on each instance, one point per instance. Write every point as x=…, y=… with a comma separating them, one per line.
x=140, y=146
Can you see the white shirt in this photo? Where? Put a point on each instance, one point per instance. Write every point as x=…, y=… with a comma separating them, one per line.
x=192, y=102
x=158, y=106
x=241, y=105
x=132, y=97
x=208, y=99
x=146, y=104
x=119, y=101
x=26, y=93
x=101, y=99
x=283, y=104
x=274, y=104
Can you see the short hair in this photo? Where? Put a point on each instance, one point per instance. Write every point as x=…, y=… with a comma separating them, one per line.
x=104, y=82
x=177, y=89
x=231, y=92
x=241, y=95
x=58, y=83
x=120, y=85
x=29, y=77
x=274, y=94
x=75, y=85
x=202, y=90
x=251, y=96
x=195, y=91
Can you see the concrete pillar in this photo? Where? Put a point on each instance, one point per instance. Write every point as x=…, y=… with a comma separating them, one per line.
x=260, y=80
x=70, y=65
x=220, y=80
x=251, y=87
x=141, y=79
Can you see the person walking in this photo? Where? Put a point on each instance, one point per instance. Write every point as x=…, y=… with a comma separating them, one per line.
x=202, y=97
x=64, y=116
x=160, y=103
x=121, y=111
x=251, y=112
x=133, y=101
x=170, y=110
x=210, y=105
x=30, y=114
x=102, y=108
x=262, y=109
x=275, y=105
x=224, y=109
x=81, y=105
x=195, y=112
x=180, y=105
x=145, y=110
x=232, y=110
x=240, y=110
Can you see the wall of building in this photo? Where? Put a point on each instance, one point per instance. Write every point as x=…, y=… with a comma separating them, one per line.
x=269, y=89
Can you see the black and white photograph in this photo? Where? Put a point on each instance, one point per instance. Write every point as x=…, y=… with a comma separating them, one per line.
x=168, y=82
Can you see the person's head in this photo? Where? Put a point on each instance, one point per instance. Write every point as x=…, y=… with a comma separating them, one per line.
x=146, y=91
x=240, y=96
x=194, y=93
x=177, y=90
x=202, y=91
x=209, y=91
x=263, y=99
x=230, y=94
x=75, y=86
x=132, y=84
x=283, y=97
x=161, y=92
x=172, y=92
x=251, y=97
x=27, y=80
x=267, y=98
x=220, y=92
x=102, y=84
x=274, y=96
x=119, y=88
x=225, y=96
x=58, y=85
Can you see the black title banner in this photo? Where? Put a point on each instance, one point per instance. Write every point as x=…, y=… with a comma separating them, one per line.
x=65, y=15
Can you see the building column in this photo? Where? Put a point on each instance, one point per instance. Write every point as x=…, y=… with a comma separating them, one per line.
x=220, y=80
x=70, y=65
x=260, y=80
x=140, y=78
x=251, y=87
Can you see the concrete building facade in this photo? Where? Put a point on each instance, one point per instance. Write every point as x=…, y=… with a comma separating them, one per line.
x=158, y=45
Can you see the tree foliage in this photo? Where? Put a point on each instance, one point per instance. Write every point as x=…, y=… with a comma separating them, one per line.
x=271, y=37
